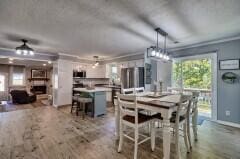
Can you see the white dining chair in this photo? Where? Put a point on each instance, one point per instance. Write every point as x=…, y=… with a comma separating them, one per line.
x=139, y=89
x=194, y=115
x=179, y=120
x=128, y=91
x=130, y=116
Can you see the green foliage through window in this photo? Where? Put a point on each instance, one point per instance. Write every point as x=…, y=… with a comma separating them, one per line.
x=192, y=74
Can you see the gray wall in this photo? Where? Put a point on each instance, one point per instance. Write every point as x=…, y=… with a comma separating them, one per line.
x=228, y=94
x=154, y=73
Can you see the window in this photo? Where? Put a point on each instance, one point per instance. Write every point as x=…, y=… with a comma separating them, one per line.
x=192, y=73
x=114, y=74
x=114, y=69
x=2, y=83
x=18, y=79
x=17, y=75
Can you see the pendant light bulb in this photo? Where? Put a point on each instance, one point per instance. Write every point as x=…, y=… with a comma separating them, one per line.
x=161, y=55
x=19, y=52
x=31, y=53
x=153, y=53
x=25, y=52
x=164, y=57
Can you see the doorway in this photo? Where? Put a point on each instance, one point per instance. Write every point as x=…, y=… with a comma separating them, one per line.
x=198, y=73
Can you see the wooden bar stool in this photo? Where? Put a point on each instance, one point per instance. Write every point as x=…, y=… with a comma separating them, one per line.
x=82, y=105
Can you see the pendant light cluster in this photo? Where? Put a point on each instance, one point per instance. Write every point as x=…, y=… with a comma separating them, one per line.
x=96, y=62
x=155, y=51
x=24, y=49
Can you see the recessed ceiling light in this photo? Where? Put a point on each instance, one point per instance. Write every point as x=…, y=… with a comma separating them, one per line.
x=49, y=62
x=44, y=64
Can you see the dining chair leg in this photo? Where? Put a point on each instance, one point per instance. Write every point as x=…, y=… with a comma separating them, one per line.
x=83, y=110
x=194, y=124
x=189, y=134
x=186, y=136
x=78, y=108
x=120, y=136
x=153, y=135
x=135, y=142
x=177, y=148
x=72, y=106
x=149, y=125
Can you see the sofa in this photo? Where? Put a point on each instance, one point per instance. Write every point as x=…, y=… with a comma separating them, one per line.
x=22, y=97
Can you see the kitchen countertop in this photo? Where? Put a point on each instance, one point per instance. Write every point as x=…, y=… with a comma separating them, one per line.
x=108, y=86
x=96, y=89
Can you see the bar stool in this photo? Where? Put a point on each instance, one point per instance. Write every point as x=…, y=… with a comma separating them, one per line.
x=82, y=103
x=75, y=100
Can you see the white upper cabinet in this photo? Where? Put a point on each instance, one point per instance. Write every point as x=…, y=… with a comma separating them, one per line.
x=134, y=63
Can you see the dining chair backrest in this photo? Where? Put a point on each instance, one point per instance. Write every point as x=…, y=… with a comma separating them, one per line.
x=194, y=103
x=139, y=89
x=174, y=90
x=128, y=91
x=128, y=105
x=184, y=106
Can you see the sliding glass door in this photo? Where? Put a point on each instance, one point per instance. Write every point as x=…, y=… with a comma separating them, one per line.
x=195, y=74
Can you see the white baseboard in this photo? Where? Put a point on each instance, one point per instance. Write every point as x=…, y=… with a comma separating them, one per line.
x=228, y=123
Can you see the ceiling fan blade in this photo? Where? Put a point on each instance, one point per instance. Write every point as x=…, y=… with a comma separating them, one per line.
x=18, y=38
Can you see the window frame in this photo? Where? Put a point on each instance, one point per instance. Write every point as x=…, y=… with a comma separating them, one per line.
x=23, y=79
x=4, y=83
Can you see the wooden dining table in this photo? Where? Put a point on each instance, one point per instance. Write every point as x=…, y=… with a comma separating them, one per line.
x=166, y=104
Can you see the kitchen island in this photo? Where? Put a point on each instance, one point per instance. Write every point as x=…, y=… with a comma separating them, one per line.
x=98, y=94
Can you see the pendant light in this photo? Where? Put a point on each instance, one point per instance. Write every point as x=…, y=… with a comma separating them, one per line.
x=155, y=51
x=96, y=62
x=24, y=49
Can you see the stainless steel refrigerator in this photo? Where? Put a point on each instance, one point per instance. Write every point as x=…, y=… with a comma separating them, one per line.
x=132, y=77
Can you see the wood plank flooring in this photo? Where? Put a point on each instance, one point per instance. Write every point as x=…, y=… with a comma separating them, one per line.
x=9, y=106
x=49, y=133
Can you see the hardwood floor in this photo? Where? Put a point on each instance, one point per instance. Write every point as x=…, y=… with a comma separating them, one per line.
x=8, y=106
x=49, y=133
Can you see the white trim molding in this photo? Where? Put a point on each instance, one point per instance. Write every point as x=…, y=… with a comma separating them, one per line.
x=204, y=43
x=228, y=123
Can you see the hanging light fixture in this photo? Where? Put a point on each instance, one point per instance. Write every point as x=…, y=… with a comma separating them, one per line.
x=96, y=62
x=155, y=51
x=24, y=49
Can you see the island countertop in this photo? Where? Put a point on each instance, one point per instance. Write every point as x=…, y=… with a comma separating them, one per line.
x=96, y=89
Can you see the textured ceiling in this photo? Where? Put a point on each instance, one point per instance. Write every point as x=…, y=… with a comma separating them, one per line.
x=110, y=28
